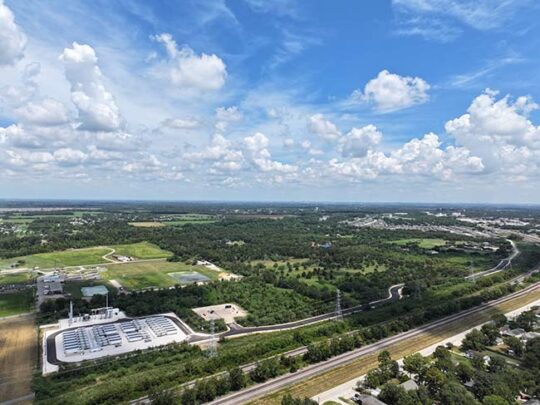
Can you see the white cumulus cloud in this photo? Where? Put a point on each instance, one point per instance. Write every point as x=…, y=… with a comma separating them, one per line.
x=391, y=92
x=500, y=131
x=257, y=147
x=358, y=141
x=46, y=112
x=12, y=39
x=96, y=106
x=185, y=69
x=326, y=129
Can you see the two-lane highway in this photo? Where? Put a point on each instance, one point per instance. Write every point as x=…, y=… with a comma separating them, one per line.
x=278, y=383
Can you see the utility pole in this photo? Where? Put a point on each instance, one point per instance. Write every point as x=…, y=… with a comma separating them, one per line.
x=339, y=314
x=473, y=277
x=212, y=349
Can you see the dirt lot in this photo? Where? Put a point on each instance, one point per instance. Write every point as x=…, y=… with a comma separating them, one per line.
x=18, y=354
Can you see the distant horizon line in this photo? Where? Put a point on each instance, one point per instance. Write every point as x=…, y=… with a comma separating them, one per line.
x=260, y=202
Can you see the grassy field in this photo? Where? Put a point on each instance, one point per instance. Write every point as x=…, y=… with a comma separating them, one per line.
x=182, y=222
x=135, y=276
x=363, y=364
x=16, y=303
x=184, y=219
x=74, y=257
x=148, y=224
x=305, y=267
x=18, y=354
x=142, y=250
x=479, y=263
x=18, y=278
x=87, y=256
x=24, y=221
x=423, y=243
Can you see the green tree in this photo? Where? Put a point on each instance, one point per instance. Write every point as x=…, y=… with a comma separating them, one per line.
x=491, y=332
x=494, y=400
x=526, y=320
x=237, y=379
x=393, y=394
x=289, y=400
x=435, y=379
x=474, y=340
x=456, y=394
x=499, y=320
x=416, y=364
x=514, y=344
x=532, y=354
x=165, y=397
x=189, y=397
x=464, y=372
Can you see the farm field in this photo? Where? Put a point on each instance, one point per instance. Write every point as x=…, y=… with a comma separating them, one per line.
x=147, y=224
x=16, y=278
x=18, y=353
x=135, y=276
x=422, y=243
x=16, y=303
x=141, y=250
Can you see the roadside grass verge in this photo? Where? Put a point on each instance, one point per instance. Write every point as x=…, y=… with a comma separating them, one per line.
x=362, y=365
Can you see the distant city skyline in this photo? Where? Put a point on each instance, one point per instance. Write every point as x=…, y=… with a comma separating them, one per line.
x=246, y=100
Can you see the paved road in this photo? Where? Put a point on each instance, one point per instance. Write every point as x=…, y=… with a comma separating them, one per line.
x=502, y=265
x=394, y=293
x=268, y=387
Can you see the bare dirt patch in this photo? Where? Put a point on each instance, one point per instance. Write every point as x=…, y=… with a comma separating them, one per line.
x=18, y=356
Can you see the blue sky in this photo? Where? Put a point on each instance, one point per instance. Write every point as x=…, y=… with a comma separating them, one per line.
x=374, y=100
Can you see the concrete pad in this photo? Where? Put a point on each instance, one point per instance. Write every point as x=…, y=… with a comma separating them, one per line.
x=227, y=312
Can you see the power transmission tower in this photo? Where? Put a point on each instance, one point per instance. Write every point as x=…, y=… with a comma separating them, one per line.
x=212, y=349
x=339, y=314
x=471, y=268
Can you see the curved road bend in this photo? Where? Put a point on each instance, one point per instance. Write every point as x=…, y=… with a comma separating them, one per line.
x=262, y=389
x=502, y=265
x=394, y=293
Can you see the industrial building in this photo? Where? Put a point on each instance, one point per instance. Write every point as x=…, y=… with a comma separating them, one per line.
x=96, y=338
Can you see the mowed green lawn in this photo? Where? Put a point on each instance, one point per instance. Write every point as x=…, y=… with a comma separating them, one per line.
x=423, y=243
x=87, y=256
x=74, y=257
x=16, y=303
x=142, y=250
x=136, y=276
x=18, y=278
